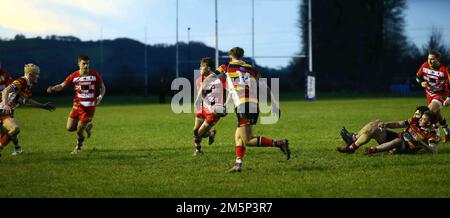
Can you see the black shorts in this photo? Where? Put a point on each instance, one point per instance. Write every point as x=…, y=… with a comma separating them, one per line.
x=391, y=135
x=247, y=114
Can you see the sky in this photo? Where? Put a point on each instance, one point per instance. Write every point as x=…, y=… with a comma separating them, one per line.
x=423, y=15
x=276, y=22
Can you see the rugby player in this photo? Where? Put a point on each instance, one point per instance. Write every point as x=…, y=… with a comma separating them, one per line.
x=433, y=76
x=372, y=130
x=209, y=94
x=85, y=82
x=419, y=134
x=242, y=82
x=15, y=94
x=5, y=80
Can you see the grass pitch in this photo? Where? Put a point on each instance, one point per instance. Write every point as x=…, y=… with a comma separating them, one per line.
x=145, y=150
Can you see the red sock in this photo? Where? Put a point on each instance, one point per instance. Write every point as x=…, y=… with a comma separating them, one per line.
x=240, y=152
x=265, y=142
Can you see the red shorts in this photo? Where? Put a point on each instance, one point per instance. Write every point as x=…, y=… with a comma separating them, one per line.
x=83, y=114
x=438, y=98
x=210, y=118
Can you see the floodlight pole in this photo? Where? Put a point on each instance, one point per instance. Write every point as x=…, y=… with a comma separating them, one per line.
x=217, y=37
x=310, y=36
x=176, y=47
x=310, y=78
x=253, y=32
x=189, y=35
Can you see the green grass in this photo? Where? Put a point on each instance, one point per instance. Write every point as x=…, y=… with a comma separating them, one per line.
x=144, y=150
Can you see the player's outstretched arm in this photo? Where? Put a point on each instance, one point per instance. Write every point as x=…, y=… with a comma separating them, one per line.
x=393, y=125
x=198, y=99
x=56, y=88
x=102, y=93
x=5, y=94
x=447, y=102
x=47, y=106
x=420, y=79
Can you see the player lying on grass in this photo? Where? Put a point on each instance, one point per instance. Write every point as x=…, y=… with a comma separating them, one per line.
x=371, y=131
x=419, y=134
x=84, y=82
x=15, y=94
x=209, y=94
x=433, y=77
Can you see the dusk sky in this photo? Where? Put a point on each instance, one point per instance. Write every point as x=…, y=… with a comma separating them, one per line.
x=276, y=29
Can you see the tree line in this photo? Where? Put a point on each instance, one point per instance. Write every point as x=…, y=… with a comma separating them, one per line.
x=360, y=46
x=121, y=61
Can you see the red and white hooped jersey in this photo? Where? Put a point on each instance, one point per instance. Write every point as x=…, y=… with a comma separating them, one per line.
x=213, y=91
x=84, y=86
x=437, y=80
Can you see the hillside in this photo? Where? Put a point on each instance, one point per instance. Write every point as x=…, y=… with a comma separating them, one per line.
x=121, y=65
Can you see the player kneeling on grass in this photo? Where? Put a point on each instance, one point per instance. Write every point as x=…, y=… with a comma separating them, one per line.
x=242, y=83
x=370, y=131
x=85, y=82
x=15, y=94
x=209, y=98
x=419, y=134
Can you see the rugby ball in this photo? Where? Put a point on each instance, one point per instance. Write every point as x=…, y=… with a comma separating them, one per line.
x=219, y=110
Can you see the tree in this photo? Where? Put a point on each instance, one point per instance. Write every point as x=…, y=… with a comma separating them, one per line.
x=355, y=43
x=19, y=37
x=435, y=43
